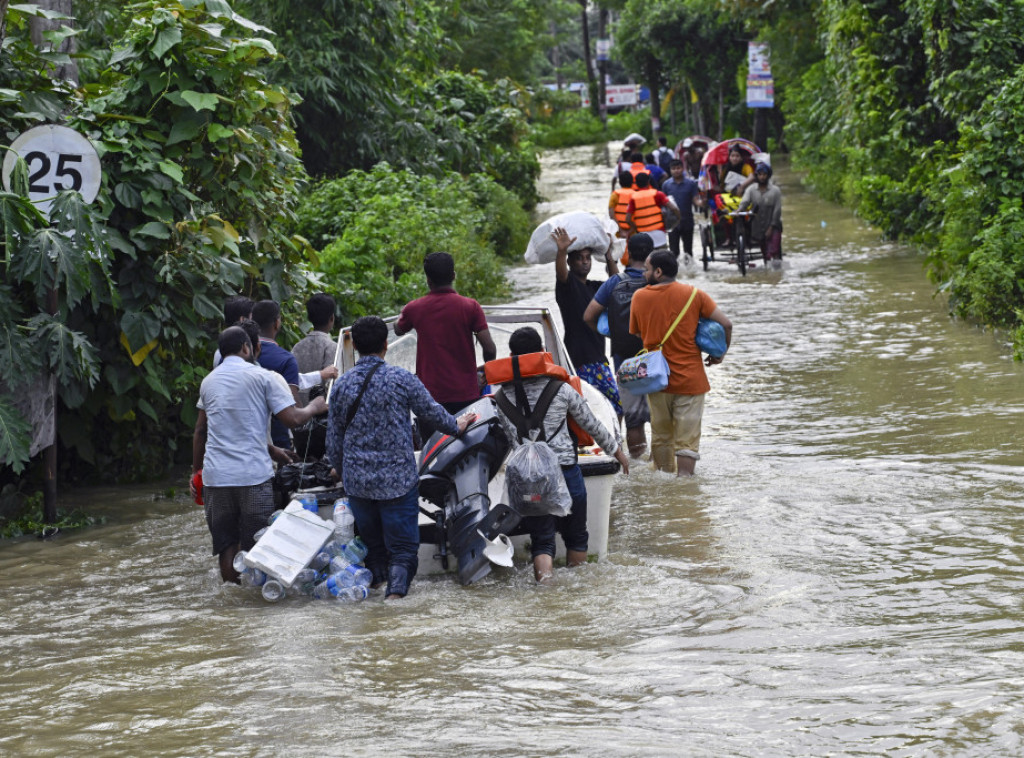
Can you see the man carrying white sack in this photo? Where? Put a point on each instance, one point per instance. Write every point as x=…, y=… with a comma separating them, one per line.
x=573, y=293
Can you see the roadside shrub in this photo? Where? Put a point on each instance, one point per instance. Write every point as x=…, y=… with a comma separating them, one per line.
x=374, y=229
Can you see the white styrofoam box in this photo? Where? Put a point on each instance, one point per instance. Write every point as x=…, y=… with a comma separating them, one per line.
x=291, y=542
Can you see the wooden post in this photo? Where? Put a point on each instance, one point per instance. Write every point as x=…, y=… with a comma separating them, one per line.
x=50, y=453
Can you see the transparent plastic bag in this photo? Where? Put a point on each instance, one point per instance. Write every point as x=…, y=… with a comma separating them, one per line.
x=535, y=483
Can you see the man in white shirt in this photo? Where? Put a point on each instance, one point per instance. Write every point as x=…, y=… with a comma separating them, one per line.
x=229, y=445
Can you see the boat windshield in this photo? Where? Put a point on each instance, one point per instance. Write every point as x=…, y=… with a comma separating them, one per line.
x=502, y=321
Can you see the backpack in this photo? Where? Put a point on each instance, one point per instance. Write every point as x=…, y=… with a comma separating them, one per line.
x=624, y=344
x=665, y=157
x=533, y=474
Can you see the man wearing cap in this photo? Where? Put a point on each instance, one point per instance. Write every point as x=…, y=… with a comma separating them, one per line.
x=765, y=198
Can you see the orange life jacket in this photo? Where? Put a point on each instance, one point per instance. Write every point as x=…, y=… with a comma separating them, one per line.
x=637, y=168
x=646, y=213
x=624, y=194
x=538, y=364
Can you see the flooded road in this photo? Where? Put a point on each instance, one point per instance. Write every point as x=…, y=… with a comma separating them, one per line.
x=843, y=576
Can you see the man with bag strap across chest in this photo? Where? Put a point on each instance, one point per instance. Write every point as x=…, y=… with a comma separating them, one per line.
x=676, y=411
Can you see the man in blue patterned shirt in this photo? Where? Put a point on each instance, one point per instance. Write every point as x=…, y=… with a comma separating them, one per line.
x=374, y=453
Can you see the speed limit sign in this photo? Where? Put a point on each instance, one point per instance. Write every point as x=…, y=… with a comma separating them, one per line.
x=58, y=159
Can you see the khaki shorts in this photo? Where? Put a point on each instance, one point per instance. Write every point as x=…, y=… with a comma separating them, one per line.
x=675, y=427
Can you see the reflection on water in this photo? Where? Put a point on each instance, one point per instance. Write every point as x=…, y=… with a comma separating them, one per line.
x=843, y=576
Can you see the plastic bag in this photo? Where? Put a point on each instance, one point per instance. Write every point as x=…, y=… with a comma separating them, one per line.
x=535, y=483
x=732, y=181
x=710, y=338
x=587, y=228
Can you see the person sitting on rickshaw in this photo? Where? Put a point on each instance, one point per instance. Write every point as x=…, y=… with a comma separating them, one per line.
x=737, y=164
x=765, y=199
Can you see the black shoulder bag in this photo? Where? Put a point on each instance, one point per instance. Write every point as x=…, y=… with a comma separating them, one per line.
x=353, y=409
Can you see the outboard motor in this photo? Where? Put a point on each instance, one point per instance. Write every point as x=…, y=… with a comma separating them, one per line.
x=454, y=472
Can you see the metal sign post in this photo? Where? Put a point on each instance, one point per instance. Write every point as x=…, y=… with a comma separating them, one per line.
x=58, y=159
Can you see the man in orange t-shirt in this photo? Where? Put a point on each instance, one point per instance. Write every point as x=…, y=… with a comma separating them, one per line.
x=677, y=410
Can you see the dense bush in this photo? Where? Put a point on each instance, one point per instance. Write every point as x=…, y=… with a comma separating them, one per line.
x=578, y=126
x=199, y=172
x=374, y=229
x=914, y=117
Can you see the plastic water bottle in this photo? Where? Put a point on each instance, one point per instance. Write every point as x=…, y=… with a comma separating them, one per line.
x=339, y=586
x=350, y=574
x=305, y=580
x=239, y=561
x=253, y=577
x=259, y=535
x=321, y=561
x=355, y=550
x=344, y=521
x=309, y=503
x=273, y=590
x=273, y=516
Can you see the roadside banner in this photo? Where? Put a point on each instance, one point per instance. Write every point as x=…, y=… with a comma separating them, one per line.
x=760, y=85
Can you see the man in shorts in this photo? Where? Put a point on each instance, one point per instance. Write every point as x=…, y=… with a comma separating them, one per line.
x=615, y=296
x=229, y=445
x=677, y=410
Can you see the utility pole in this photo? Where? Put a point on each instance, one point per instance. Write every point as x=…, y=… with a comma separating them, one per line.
x=602, y=64
x=69, y=72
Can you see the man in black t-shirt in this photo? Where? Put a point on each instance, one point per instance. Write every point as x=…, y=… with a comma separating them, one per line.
x=573, y=293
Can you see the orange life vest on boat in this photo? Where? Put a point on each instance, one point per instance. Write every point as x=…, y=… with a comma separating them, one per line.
x=646, y=213
x=538, y=364
x=624, y=194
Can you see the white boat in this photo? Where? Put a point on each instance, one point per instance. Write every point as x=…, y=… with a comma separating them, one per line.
x=448, y=533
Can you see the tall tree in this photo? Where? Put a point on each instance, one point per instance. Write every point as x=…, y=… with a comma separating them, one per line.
x=49, y=31
x=588, y=58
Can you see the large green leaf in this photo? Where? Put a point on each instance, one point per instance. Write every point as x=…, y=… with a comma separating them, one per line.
x=200, y=101
x=140, y=328
x=70, y=355
x=15, y=435
x=165, y=40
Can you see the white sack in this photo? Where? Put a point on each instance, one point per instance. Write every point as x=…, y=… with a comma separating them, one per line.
x=588, y=230
x=762, y=158
x=618, y=243
x=733, y=180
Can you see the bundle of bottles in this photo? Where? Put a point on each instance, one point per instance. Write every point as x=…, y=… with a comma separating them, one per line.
x=335, y=573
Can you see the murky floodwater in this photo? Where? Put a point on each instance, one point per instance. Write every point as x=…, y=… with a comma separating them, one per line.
x=843, y=576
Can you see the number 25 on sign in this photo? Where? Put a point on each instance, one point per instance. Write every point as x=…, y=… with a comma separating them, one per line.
x=58, y=158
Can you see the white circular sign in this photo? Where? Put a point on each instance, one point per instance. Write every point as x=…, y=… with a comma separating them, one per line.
x=58, y=159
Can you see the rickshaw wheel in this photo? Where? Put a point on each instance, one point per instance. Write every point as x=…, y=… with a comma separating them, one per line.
x=741, y=253
x=704, y=246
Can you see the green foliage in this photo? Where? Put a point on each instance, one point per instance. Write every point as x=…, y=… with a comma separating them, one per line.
x=568, y=128
x=914, y=117
x=376, y=227
x=350, y=61
x=29, y=519
x=367, y=73
x=200, y=175
x=665, y=42
x=499, y=39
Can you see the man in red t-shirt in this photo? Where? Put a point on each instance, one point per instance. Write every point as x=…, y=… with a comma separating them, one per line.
x=677, y=410
x=445, y=324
